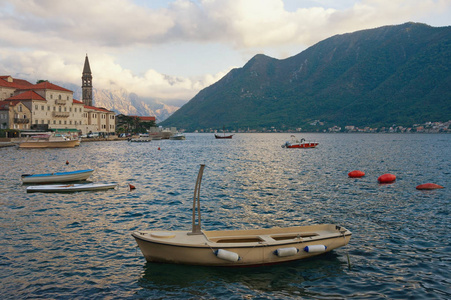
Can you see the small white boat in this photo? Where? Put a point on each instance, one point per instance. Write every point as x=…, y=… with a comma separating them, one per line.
x=49, y=140
x=294, y=143
x=178, y=136
x=70, y=188
x=141, y=139
x=57, y=177
x=251, y=247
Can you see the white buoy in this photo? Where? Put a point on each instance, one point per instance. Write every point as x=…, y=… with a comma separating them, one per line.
x=281, y=252
x=315, y=248
x=227, y=255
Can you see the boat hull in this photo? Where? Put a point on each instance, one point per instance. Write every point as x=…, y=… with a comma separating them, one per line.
x=253, y=247
x=70, y=188
x=50, y=144
x=57, y=177
x=303, y=145
x=223, y=136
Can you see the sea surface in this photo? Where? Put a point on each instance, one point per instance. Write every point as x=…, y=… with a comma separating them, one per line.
x=79, y=245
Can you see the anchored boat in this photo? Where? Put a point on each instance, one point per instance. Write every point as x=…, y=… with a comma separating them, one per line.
x=57, y=177
x=70, y=188
x=238, y=247
x=49, y=140
x=294, y=143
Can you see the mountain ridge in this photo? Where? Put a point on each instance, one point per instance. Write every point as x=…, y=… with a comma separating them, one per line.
x=122, y=101
x=395, y=74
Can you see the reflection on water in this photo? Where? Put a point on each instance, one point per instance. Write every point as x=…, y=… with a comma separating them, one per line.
x=79, y=245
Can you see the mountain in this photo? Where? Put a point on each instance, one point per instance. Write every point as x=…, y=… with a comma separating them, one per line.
x=389, y=75
x=123, y=102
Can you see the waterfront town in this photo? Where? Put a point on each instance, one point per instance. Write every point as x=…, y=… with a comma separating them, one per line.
x=45, y=106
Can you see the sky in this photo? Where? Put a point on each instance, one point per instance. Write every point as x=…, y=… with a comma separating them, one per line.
x=169, y=50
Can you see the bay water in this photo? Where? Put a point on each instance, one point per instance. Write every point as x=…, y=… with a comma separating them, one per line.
x=79, y=245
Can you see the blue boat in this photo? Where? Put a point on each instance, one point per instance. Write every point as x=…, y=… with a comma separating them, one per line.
x=57, y=177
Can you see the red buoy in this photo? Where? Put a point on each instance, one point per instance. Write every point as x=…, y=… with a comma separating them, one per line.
x=356, y=174
x=132, y=187
x=67, y=162
x=159, y=148
x=429, y=186
x=386, y=178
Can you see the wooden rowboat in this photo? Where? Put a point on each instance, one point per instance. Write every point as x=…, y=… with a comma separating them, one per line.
x=238, y=247
x=70, y=188
x=57, y=177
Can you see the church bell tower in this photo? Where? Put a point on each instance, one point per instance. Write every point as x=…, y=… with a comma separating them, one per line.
x=86, y=86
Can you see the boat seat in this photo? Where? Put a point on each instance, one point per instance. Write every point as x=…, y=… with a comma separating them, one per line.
x=266, y=238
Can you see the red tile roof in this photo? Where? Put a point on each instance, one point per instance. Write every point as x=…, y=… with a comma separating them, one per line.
x=76, y=101
x=16, y=83
x=45, y=85
x=4, y=105
x=28, y=95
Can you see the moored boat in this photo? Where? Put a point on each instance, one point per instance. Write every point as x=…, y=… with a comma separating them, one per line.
x=141, y=139
x=49, y=140
x=77, y=175
x=70, y=188
x=238, y=247
x=178, y=136
x=294, y=143
x=223, y=136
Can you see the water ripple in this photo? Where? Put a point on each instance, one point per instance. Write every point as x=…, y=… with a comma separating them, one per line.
x=79, y=245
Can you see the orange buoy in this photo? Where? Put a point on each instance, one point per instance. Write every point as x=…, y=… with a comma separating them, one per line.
x=132, y=187
x=67, y=162
x=429, y=186
x=356, y=174
x=386, y=178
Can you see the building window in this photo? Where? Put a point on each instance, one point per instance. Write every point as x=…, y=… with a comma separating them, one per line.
x=36, y=107
x=67, y=97
x=48, y=107
x=51, y=96
x=60, y=122
x=59, y=97
x=42, y=107
x=54, y=121
x=36, y=122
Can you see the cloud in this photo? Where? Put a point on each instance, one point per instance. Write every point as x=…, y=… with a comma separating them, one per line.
x=47, y=39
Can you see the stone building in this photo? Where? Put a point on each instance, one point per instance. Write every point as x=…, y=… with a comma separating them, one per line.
x=48, y=106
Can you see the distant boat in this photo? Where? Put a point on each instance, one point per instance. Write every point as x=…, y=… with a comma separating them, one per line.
x=294, y=143
x=57, y=177
x=141, y=139
x=70, y=188
x=178, y=136
x=49, y=140
x=250, y=247
x=223, y=136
